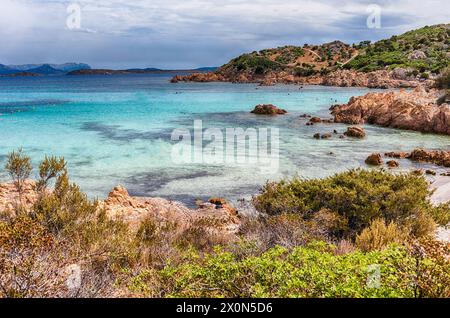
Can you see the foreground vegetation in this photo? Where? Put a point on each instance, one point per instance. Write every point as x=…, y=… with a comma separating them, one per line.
x=356, y=234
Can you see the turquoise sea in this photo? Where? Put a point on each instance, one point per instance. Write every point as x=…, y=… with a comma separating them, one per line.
x=116, y=130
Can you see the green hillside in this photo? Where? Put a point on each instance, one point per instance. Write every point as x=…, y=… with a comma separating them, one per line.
x=423, y=50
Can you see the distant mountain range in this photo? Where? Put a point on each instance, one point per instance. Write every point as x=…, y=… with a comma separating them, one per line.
x=42, y=69
x=140, y=71
x=79, y=69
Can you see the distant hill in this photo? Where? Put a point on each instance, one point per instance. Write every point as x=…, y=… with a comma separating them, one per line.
x=421, y=50
x=139, y=71
x=46, y=69
x=5, y=70
x=42, y=69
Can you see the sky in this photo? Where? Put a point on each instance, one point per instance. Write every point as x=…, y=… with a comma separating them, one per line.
x=177, y=34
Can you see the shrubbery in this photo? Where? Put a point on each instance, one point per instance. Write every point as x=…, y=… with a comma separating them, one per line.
x=311, y=271
x=359, y=196
x=321, y=238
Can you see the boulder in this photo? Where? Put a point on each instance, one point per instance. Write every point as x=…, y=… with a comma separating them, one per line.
x=374, y=160
x=417, y=55
x=268, y=109
x=393, y=164
x=355, y=132
x=315, y=120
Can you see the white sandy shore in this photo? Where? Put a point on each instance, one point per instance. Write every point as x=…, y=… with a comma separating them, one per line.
x=441, y=185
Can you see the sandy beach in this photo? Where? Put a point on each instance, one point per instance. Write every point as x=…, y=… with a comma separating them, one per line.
x=441, y=195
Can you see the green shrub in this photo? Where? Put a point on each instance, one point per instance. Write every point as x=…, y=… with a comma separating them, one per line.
x=311, y=271
x=19, y=167
x=380, y=235
x=359, y=196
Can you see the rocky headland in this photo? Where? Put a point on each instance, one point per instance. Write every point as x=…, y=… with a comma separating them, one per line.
x=340, y=78
x=414, y=110
x=408, y=60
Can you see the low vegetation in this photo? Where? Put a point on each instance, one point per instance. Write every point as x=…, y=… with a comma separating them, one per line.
x=356, y=234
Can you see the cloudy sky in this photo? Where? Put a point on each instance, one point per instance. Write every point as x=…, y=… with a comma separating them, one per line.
x=191, y=33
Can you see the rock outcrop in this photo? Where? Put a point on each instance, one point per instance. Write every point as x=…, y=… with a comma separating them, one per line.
x=341, y=78
x=268, y=109
x=437, y=157
x=413, y=110
x=9, y=197
x=213, y=216
x=198, y=77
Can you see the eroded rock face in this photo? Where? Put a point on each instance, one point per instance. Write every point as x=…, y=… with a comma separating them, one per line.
x=413, y=110
x=268, y=109
x=214, y=217
x=355, y=132
x=9, y=197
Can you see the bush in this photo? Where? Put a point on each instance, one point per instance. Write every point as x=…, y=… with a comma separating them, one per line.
x=311, y=271
x=379, y=235
x=359, y=196
x=19, y=168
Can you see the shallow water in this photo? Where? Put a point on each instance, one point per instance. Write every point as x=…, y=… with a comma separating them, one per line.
x=116, y=130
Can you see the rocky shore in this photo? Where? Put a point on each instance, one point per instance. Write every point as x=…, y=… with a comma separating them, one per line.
x=413, y=110
x=397, y=78
x=437, y=157
x=216, y=216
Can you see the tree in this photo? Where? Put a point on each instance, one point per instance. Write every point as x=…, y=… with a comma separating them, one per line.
x=50, y=168
x=19, y=168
